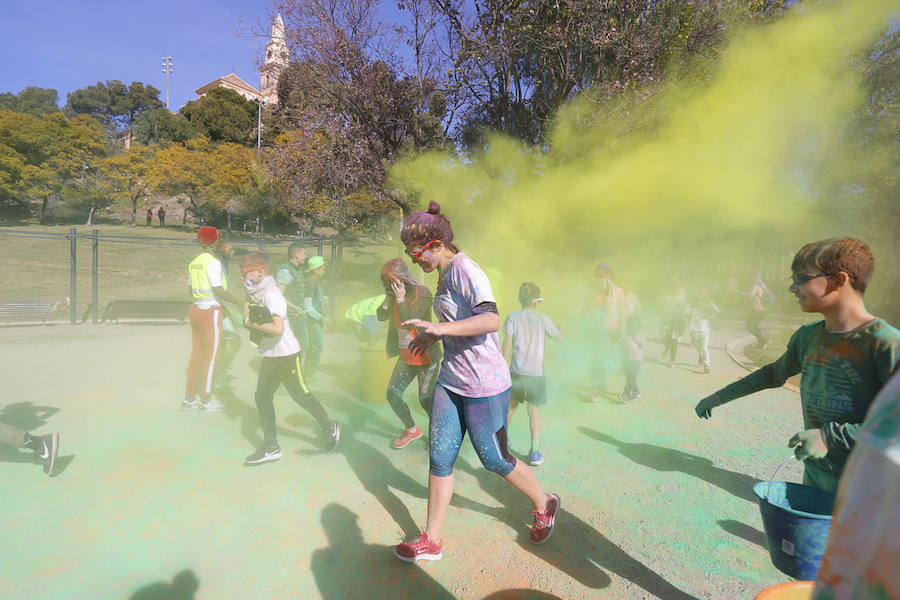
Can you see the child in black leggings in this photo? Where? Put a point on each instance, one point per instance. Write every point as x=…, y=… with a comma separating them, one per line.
x=281, y=359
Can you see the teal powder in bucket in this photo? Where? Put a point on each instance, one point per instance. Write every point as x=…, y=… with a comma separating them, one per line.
x=796, y=519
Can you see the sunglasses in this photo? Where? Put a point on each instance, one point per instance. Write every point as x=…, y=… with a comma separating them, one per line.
x=415, y=255
x=801, y=278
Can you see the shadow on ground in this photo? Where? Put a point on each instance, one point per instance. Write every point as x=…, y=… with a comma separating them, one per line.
x=349, y=568
x=576, y=548
x=28, y=417
x=661, y=458
x=380, y=477
x=751, y=534
x=183, y=587
x=247, y=415
x=521, y=594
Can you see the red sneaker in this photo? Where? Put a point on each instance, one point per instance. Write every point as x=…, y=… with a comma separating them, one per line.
x=407, y=438
x=545, y=520
x=420, y=548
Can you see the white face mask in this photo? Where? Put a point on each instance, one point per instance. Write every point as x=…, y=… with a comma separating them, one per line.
x=250, y=284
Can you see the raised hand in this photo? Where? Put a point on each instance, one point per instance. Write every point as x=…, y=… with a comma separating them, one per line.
x=398, y=289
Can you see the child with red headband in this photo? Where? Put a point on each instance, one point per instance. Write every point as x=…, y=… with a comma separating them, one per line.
x=209, y=288
x=281, y=358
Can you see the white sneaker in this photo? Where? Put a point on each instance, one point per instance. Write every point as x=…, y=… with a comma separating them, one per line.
x=213, y=406
x=192, y=403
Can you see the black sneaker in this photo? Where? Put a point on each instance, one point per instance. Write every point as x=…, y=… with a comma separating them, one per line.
x=47, y=451
x=333, y=437
x=263, y=455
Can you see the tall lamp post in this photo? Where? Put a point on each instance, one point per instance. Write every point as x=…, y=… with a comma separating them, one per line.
x=259, y=105
x=167, y=69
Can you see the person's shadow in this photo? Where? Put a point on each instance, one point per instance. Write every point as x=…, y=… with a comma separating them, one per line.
x=744, y=531
x=380, y=477
x=349, y=568
x=576, y=548
x=183, y=587
x=28, y=417
x=664, y=459
x=521, y=594
x=248, y=416
x=583, y=553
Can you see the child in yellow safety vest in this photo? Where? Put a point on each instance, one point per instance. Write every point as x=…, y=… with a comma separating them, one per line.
x=208, y=288
x=364, y=316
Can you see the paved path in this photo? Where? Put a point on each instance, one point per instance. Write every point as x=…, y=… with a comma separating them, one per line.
x=153, y=503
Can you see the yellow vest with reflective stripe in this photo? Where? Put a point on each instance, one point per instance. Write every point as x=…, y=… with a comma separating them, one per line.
x=200, y=284
x=367, y=308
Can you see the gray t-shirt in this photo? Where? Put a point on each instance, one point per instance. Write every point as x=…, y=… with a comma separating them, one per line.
x=528, y=328
x=473, y=366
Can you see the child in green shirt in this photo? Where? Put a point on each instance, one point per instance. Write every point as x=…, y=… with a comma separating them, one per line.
x=316, y=307
x=844, y=360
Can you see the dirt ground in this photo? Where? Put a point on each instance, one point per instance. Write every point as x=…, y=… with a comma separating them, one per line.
x=148, y=502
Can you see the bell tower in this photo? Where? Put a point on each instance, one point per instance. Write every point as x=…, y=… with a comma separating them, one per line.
x=277, y=60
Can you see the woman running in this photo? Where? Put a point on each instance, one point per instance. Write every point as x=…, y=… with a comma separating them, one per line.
x=407, y=298
x=472, y=392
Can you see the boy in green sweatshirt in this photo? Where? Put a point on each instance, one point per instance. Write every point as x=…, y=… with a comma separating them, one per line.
x=844, y=360
x=316, y=307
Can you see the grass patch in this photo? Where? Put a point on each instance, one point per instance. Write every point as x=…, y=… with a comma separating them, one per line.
x=155, y=266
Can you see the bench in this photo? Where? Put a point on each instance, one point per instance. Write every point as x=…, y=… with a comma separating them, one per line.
x=29, y=312
x=147, y=310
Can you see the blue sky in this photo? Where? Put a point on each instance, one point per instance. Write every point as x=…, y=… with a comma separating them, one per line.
x=71, y=44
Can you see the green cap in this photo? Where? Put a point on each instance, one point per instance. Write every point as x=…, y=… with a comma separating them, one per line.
x=314, y=262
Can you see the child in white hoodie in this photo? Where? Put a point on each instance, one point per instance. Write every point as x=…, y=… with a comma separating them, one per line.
x=281, y=358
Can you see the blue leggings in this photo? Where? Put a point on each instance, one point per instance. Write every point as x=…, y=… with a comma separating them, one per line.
x=485, y=420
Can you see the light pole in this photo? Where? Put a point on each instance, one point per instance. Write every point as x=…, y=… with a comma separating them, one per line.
x=167, y=69
x=259, y=105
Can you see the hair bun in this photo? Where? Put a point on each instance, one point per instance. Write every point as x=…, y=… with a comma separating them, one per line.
x=434, y=208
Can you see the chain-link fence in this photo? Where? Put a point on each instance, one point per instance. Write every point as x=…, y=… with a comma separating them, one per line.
x=76, y=275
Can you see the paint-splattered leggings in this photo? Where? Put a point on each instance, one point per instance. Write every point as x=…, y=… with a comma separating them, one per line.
x=402, y=376
x=485, y=420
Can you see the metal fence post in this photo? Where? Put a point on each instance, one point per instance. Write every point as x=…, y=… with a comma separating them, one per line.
x=73, y=250
x=95, y=251
x=319, y=245
x=331, y=292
